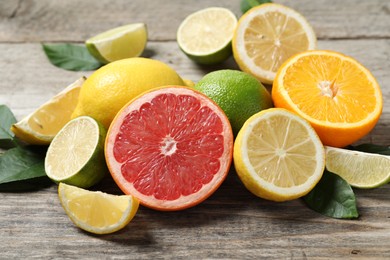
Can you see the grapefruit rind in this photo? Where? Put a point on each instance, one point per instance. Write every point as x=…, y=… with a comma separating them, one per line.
x=182, y=202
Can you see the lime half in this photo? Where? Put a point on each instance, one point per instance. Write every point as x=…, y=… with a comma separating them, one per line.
x=76, y=156
x=359, y=169
x=119, y=43
x=205, y=36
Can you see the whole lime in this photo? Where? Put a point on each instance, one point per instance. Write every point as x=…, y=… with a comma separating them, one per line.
x=239, y=94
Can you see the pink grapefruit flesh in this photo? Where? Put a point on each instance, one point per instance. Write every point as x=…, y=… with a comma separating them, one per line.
x=170, y=147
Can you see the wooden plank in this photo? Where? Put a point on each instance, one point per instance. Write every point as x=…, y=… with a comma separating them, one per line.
x=230, y=224
x=74, y=20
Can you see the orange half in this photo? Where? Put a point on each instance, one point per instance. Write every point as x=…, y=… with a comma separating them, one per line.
x=335, y=93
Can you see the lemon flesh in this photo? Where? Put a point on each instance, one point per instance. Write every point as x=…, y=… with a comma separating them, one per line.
x=45, y=122
x=205, y=36
x=278, y=156
x=359, y=169
x=266, y=36
x=97, y=212
x=119, y=43
x=75, y=156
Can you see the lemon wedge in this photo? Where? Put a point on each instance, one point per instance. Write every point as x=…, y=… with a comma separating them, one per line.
x=95, y=211
x=45, y=122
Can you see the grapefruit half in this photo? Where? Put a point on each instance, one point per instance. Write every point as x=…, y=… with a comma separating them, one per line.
x=171, y=148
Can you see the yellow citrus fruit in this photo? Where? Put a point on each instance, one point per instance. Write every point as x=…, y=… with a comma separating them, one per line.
x=119, y=43
x=359, y=169
x=45, y=122
x=95, y=211
x=278, y=155
x=266, y=36
x=335, y=93
x=239, y=94
x=205, y=36
x=109, y=88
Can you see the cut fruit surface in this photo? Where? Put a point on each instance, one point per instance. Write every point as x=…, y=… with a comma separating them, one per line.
x=75, y=156
x=266, y=36
x=119, y=43
x=45, y=122
x=205, y=36
x=95, y=211
x=278, y=156
x=171, y=148
x=335, y=93
x=359, y=169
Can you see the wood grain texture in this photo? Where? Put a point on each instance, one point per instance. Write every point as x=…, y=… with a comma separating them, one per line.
x=232, y=223
x=74, y=20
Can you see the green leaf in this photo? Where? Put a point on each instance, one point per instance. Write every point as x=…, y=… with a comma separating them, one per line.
x=7, y=119
x=70, y=56
x=22, y=164
x=371, y=148
x=333, y=197
x=245, y=5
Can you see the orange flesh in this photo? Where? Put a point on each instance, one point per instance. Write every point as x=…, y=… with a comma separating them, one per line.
x=337, y=86
x=278, y=38
x=170, y=147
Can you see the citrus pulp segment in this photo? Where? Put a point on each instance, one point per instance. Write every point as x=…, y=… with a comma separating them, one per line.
x=95, y=211
x=239, y=94
x=205, y=36
x=359, y=169
x=266, y=36
x=171, y=148
x=76, y=156
x=119, y=43
x=335, y=93
x=110, y=87
x=278, y=156
x=40, y=127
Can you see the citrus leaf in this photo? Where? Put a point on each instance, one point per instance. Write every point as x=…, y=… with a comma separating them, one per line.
x=245, y=5
x=332, y=197
x=70, y=57
x=7, y=119
x=21, y=163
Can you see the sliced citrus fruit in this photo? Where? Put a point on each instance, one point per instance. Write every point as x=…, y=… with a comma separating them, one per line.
x=171, y=148
x=266, y=36
x=43, y=124
x=95, y=211
x=335, y=93
x=205, y=36
x=119, y=43
x=359, y=169
x=278, y=155
x=75, y=156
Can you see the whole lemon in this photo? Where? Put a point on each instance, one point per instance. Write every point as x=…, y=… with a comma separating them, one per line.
x=109, y=88
x=239, y=94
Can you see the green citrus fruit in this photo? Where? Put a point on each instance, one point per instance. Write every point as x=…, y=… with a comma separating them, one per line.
x=239, y=94
x=119, y=43
x=76, y=155
x=205, y=36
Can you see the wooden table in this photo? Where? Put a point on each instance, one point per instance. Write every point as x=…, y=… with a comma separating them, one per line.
x=232, y=223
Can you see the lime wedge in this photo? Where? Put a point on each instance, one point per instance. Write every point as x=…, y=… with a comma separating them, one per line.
x=119, y=43
x=359, y=169
x=76, y=156
x=205, y=36
x=95, y=211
